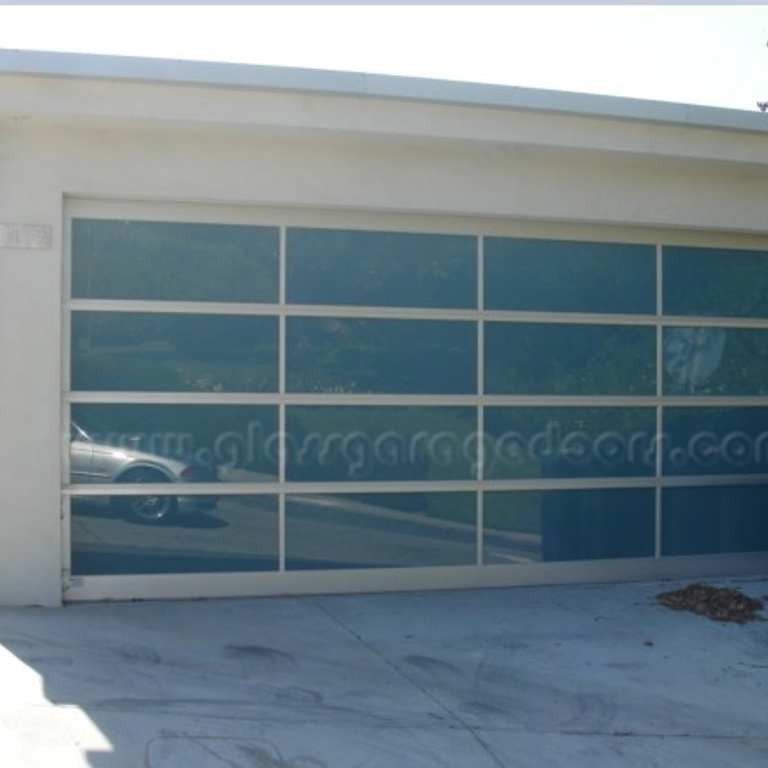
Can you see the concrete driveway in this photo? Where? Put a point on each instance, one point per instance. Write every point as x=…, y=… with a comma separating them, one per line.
x=550, y=676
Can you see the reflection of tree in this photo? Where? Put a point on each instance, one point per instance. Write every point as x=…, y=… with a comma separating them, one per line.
x=742, y=368
x=329, y=266
x=565, y=442
x=174, y=261
x=380, y=443
x=173, y=352
x=397, y=356
x=715, y=282
x=537, y=358
x=566, y=276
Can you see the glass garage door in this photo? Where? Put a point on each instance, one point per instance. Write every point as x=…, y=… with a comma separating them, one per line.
x=280, y=402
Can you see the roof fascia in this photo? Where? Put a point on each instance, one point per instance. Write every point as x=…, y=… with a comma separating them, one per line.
x=354, y=84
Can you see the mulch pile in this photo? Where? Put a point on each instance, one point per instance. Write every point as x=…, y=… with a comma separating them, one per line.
x=716, y=603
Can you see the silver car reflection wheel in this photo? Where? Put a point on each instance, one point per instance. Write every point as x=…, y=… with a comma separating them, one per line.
x=149, y=508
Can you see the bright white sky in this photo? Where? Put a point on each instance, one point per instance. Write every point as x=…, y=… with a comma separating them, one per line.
x=698, y=54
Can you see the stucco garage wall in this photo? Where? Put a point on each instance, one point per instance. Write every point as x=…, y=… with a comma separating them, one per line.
x=30, y=386
x=350, y=171
x=170, y=143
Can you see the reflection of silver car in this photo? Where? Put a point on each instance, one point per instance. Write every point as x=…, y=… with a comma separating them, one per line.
x=95, y=462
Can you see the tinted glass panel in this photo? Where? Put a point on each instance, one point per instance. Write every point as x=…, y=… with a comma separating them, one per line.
x=555, y=359
x=173, y=443
x=715, y=361
x=715, y=441
x=205, y=535
x=715, y=282
x=408, y=356
x=404, y=530
x=701, y=521
x=381, y=443
x=569, y=442
x=390, y=269
x=559, y=276
x=568, y=525
x=173, y=261
x=173, y=352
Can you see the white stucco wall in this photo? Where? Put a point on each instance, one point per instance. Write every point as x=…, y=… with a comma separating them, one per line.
x=30, y=386
x=94, y=138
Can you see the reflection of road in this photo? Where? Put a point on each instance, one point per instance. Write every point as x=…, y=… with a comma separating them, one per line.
x=239, y=535
x=337, y=532
x=242, y=535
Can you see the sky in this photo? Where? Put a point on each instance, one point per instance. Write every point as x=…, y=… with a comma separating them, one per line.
x=713, y=55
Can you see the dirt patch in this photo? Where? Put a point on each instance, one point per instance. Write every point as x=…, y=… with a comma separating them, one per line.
x=716, y=603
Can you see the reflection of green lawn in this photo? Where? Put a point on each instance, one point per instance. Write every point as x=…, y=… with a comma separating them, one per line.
x=518, y=520
x=519, y=512
x=500, y=513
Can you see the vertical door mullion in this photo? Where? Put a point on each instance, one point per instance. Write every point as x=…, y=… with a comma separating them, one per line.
x=480, y=473
x=281, y=403
x=659, y=468
x=65, y=503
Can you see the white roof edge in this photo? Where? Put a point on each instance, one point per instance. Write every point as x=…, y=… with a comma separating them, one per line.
x=258, y=76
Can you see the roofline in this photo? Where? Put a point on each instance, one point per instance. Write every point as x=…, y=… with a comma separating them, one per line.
x=358, y=84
